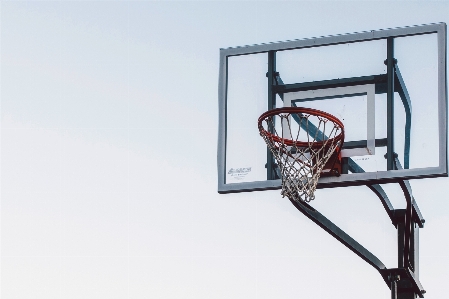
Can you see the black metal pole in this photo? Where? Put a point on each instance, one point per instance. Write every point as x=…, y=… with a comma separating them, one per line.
x=271, y=75
x=394, y=286
x=400, y=220
x=390, y=103
x=408, y=228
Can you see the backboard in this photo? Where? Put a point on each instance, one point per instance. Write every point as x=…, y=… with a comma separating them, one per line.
x=388, y=87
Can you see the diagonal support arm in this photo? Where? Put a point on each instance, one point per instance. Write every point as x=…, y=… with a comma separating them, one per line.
x=339, y=234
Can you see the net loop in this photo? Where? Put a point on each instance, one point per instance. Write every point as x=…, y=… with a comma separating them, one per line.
x=306, y=144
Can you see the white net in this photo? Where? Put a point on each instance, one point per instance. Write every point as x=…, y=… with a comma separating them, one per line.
x=306, y=144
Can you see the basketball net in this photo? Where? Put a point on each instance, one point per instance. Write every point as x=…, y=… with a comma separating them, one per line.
x=306, y=145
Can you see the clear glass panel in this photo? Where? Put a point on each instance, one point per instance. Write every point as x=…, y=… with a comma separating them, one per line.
x=332, y=62
x=352, y=111
x=417, y=58
x=246, y=152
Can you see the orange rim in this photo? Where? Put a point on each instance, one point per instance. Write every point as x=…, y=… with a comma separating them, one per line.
x=297, y=110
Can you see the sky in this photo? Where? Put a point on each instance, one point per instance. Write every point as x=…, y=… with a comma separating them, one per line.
x=109, y=127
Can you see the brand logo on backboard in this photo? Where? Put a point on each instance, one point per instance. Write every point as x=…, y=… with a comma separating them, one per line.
x=239, y=173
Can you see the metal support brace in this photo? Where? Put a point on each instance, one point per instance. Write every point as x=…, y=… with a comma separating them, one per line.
x=403, y=93
x=271, y=75
x=339, y=234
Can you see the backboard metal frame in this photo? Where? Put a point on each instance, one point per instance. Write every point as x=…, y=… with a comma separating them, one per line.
x=347, y=91
x=391, y=81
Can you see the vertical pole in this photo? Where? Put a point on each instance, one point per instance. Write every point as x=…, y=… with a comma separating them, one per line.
x=394, y=286
x=402, y=289
x=390, y=103
x=408, y=239
x=400, y=220
x=415, y=249
x=413, y=253
x=271, y=105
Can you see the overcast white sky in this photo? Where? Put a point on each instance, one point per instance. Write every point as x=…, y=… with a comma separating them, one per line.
x=109, y=117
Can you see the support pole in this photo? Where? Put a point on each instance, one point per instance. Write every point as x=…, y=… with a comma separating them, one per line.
x=390, y=103
x=271, y=75
x=394, y=286
x=408, y=230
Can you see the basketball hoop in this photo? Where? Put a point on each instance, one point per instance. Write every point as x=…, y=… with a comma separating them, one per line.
x=305, y=147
